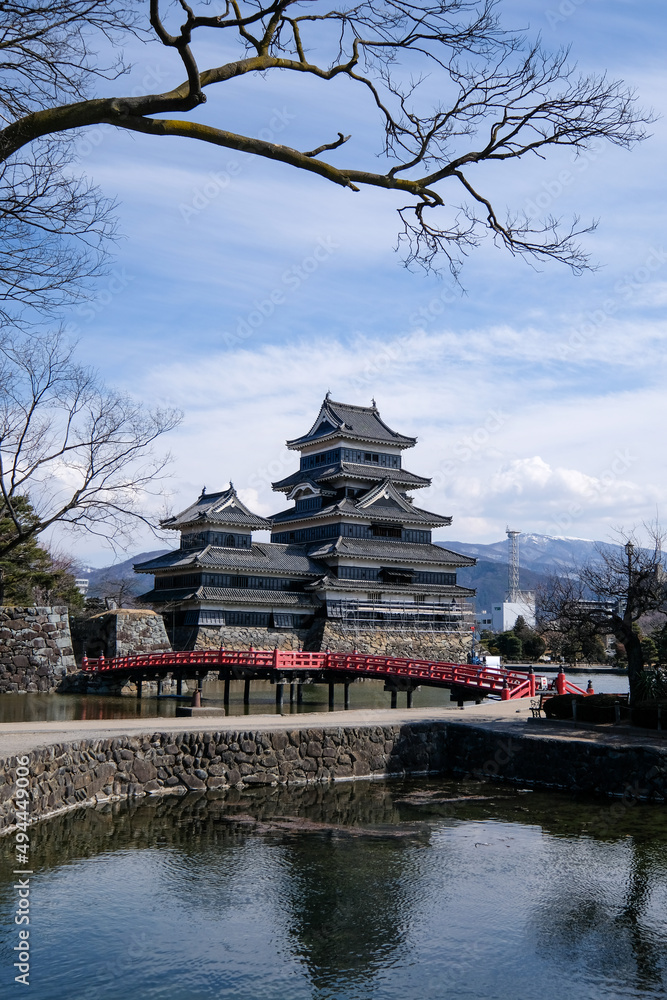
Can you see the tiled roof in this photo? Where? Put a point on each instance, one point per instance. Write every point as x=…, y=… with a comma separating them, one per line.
x=386, y=550
x=371, y=473
x=222, y=508
x=443, y=590
x=233, y=595
x=265, y=557
x=357, y=423
x=284, y=598
x=376, y=512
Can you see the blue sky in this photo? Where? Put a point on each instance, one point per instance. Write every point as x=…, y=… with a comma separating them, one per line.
x=537, y=396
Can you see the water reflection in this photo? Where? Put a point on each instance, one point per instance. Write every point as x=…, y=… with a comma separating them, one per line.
x=363, y=890
x=63, y=707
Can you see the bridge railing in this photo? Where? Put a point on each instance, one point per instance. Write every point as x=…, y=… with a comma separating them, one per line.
x=489, y=680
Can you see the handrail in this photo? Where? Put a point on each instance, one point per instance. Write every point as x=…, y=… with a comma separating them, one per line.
x=509, y=684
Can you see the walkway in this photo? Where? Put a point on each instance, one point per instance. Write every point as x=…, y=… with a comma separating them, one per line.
x=507, y=718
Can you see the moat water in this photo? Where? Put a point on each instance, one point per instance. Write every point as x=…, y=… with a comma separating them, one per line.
x=367, y=694
x=424, y=889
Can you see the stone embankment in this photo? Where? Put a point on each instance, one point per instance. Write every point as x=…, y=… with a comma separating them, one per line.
x=175, y=762
x=35, y=649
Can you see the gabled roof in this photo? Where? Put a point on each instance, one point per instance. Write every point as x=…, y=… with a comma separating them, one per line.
x=355, y=423
x=381, y=503
x=218, y=509
x=260, y=558
x=386, y=550
x=350, y=470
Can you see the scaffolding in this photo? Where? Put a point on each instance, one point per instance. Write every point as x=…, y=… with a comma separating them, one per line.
x=402, y=616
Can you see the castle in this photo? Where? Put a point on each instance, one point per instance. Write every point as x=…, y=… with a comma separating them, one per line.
x=350, y=564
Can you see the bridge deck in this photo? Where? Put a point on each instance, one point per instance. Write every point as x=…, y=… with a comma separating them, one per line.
x=282, y=665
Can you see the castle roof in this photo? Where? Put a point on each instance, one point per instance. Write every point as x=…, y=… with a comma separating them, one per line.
x=220, y=509
x=351, y=470
x=382, y=502
x=354, y=423
x=388, y=550
x=261, y=557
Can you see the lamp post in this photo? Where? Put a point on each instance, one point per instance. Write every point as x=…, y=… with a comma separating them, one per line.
x=629, y=551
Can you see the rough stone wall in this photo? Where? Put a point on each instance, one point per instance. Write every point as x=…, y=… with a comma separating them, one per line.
x=35, y=649
x=90, y=771
x=120, y=632
x=325, y=635
x=420, y=645
x=240, y=637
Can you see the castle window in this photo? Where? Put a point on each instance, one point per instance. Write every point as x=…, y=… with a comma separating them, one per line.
x=386, y=530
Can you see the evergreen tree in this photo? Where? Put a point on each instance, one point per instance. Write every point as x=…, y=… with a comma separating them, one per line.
x=31, y=576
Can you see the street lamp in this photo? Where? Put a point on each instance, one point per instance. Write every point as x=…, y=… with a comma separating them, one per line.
x=629, y=551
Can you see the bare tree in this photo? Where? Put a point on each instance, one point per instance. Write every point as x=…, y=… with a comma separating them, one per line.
x=609, y=596
x=500, y=100
x=82, y=453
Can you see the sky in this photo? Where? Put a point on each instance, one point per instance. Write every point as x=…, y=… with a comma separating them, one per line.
x=536, y=395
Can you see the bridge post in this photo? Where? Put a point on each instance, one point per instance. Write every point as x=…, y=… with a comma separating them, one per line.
x=159, y=687
x=410, y=693
x=139, y=686
x=292, y=691
x=332, y=693
x=561, y=683
x=280, y=699
x=246, y=691
x=226, y=692
x=531, y=682
x=179, y=686
x=394, y=699
x=299, y=693
x=347, y=695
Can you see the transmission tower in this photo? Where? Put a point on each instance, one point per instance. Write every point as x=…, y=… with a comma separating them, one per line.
x=513, y=566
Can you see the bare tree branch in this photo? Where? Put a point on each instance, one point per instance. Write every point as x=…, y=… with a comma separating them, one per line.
x=80, y=452
x=500, y=100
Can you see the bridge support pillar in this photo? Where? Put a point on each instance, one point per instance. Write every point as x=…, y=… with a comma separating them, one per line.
x=226, y=693
x=394, y=699
x=159, y=687
x=280, y=696
x=299, y=694
x=246, y=691
x=332, y=695
x=347, y=695
x=179, y=687
x=292, y=692
x=410, y=693
x=139, y=687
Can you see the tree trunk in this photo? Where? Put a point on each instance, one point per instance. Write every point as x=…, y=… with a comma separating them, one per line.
x=633, y=649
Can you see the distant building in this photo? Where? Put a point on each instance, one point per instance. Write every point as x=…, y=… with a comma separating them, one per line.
x=353, y=554
x=82, y=583
x=504, y=615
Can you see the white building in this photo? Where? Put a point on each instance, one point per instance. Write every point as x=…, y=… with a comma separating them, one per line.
x=504, y=615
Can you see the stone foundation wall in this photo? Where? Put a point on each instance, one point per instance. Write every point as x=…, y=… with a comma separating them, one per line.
x=120, y=632
x=420, y=645
x=243, y=638
x=62, y=777
x=35, y=649
x=326, y=635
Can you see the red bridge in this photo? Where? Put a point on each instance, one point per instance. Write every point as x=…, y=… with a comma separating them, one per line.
x=281, y=666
